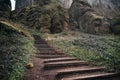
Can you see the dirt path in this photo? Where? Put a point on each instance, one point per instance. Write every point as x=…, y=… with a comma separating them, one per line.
x=50, y=64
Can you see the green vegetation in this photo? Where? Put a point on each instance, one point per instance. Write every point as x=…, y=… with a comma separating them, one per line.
x=49, y=17
x=100, y=50
x=15, y=50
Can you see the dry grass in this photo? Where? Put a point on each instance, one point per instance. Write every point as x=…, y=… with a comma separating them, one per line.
x=16, y=28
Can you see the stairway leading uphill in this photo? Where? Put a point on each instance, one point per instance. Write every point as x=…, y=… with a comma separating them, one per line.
x=59, y=66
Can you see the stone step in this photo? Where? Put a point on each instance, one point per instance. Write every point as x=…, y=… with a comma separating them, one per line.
x=65, y=64
x=59, y=59
x=90, y=76
x=50, y=56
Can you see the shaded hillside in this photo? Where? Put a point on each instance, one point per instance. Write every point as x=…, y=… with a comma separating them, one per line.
x=15, y=51
x=16, y=45
x=49, y=17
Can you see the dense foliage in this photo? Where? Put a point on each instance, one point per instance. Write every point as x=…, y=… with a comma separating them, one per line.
x=15, y=50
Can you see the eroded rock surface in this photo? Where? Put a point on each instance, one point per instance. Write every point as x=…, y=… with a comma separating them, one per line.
x=86, y=18
x=95, y=16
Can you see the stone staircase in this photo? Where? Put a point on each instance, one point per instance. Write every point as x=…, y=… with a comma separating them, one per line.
x=59, y=66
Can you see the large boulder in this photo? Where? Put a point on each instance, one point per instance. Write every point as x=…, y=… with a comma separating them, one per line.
x=93, y=23
x=86, y=19
x=5, y=8
x=48, y=17
x=106, y=8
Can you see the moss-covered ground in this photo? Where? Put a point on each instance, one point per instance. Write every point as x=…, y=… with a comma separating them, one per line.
x=99, y=49
x=16, y=48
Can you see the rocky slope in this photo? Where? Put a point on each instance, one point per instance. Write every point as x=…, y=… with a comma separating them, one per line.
x=48, y=17
x=95, y=16
x=92, y=16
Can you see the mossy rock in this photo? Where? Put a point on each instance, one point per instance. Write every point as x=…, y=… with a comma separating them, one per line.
x=84, y=18
x=29, y=65
x=42, y=18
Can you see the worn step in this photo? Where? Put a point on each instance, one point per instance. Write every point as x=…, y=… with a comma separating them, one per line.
x=90, y=76
x=50, y=56
x=41, y=43
x=59, y=59
x=50, y=53
x=40, y=40
x=64, y=64
x=46, y=51
x=80, y=69
x=46, y=48
x=43, y=46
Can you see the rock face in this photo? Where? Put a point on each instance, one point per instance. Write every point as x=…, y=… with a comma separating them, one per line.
x=5, y=8
x=48, y=16
x=94, y=16
x=110, y=9
x=107, y=8
x=66, y=3
x=86, y=19
x=24, y=3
